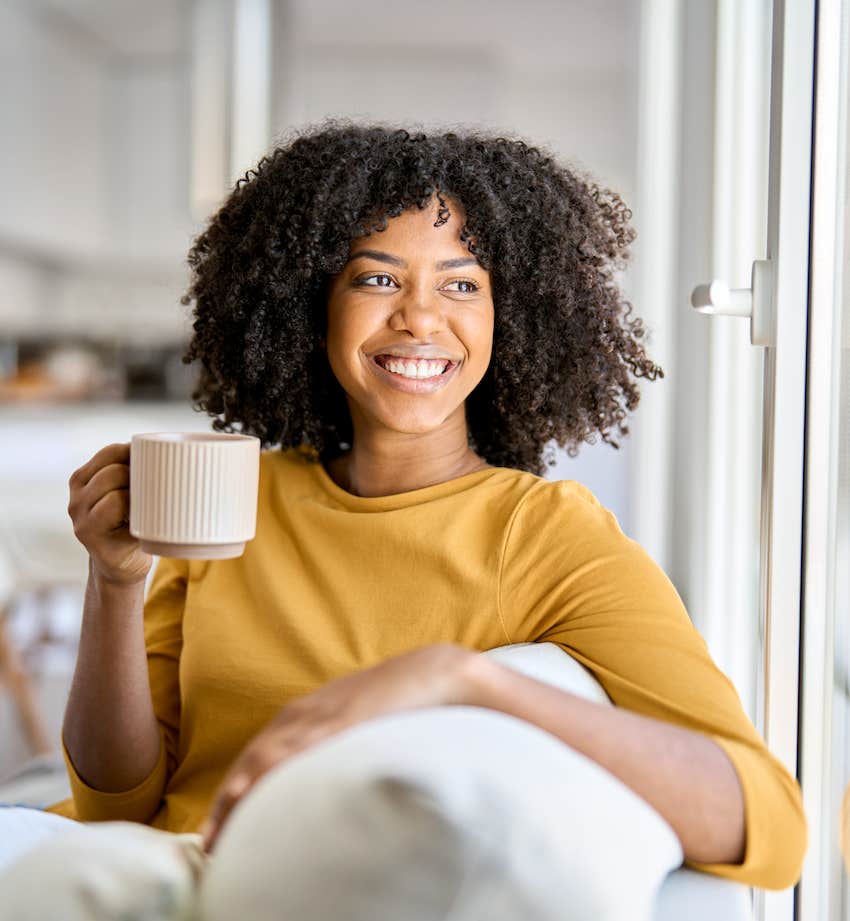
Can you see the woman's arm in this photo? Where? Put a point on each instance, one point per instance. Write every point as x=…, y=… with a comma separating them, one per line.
x=121, y=726
x=683, y=774
x=571, y=577
x=109, y=728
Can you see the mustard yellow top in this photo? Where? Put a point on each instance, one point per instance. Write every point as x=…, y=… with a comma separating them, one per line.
x=334, y=583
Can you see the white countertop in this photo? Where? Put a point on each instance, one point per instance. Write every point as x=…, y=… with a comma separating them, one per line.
x=52, y=440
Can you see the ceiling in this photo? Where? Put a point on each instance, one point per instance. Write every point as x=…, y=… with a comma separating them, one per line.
x=125, y=27
x=556, y=35
x=531, y=35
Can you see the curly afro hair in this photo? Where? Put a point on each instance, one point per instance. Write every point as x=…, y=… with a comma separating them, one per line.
x=564, y=347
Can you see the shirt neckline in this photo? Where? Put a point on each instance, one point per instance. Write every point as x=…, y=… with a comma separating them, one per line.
x=401, y=499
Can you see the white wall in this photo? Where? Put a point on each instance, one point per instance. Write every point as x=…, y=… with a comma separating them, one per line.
x=53, y=155
x=95, y=219
x=149, y=159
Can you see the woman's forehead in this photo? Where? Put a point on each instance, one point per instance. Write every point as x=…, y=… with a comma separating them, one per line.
x=415, y=228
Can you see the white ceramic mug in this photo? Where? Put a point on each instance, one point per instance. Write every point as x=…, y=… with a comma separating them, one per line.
x=193, y=495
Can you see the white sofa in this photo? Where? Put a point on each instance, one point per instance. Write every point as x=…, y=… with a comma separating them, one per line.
x=440, y=814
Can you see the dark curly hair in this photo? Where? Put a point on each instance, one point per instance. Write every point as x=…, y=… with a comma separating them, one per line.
x=563, y=346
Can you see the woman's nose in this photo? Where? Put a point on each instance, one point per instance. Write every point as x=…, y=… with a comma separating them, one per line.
x=421, y=312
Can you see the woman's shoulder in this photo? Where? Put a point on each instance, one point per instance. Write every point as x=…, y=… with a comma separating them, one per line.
x=548, y=506
x=554, y=493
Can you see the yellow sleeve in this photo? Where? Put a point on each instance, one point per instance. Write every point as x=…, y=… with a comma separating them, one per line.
x=164, y=643
x=163, y=621
x=570, y=576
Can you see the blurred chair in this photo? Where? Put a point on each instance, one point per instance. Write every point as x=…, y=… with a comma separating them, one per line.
x=38, y=551
x=38, y=554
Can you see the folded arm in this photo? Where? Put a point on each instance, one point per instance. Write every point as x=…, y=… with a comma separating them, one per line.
x=570, y=576
x=684, y=775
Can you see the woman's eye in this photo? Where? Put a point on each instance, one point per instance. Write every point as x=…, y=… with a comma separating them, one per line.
x=472, y=286
x=367, y=280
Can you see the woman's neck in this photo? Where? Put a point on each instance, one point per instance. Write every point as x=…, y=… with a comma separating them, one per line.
x=367, y=475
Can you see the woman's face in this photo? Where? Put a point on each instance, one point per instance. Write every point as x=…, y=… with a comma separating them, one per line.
x=413, y=289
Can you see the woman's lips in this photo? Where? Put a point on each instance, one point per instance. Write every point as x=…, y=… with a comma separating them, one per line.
x=414, y=385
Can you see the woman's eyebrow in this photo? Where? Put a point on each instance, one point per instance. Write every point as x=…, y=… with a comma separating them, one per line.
x=395, y=260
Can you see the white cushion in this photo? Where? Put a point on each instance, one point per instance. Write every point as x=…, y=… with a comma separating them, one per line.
x=688, y=895
x=548, y=662
x=23, y=828
x=101, y=872
x=447, y=811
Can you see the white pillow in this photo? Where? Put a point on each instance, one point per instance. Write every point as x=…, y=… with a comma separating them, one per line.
x=103, y=872
x=548, y=662
x=448, y=812
x=25, y=827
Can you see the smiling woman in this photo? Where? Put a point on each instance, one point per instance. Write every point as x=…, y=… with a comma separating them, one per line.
x=406, y=339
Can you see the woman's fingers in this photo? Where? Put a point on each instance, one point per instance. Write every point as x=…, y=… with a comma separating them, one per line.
x=118, y=452
x=107, y=479
x=110, y=511
x=230, y=793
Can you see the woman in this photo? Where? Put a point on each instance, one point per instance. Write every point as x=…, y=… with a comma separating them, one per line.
x=411, y=318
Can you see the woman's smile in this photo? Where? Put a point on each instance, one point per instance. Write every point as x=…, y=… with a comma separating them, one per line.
x=408, y=383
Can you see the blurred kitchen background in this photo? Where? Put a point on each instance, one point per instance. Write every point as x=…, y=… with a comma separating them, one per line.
x=124, y=125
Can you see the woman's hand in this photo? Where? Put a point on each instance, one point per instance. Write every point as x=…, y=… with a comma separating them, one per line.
x=99, y=506
x=427, y=677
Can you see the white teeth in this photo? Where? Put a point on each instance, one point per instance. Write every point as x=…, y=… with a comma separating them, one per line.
x=415, y=369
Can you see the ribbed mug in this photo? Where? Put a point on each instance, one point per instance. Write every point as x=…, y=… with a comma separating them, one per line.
x=193, y=495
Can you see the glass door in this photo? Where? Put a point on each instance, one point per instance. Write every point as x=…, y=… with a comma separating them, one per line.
x=775, y=300
x=798, y=305
x=825, y=705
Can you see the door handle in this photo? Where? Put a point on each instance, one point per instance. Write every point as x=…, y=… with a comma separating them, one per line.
x=755, y=302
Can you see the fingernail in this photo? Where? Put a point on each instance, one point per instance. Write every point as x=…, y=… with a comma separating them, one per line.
x=240, y=784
